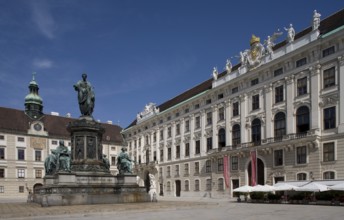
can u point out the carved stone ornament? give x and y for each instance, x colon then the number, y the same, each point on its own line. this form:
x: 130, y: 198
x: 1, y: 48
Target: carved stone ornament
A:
x: 253, y: 57
x: 208, y: 132
x: 149, y: 111
x: 329, y: 100
x: 197, y: 135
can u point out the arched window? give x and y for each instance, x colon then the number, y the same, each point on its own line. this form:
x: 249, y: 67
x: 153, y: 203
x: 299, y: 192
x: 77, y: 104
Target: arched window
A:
x: 222, y: 138
x: 302, y: 119
x: 256, y: 128
x: 301, y: 176
x: 236, y: 136
x: 329, y: 175
x: 280, y: 125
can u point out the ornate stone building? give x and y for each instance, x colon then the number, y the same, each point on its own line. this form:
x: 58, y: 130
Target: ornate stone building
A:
x: 27, y: 137
x: 281, y: 104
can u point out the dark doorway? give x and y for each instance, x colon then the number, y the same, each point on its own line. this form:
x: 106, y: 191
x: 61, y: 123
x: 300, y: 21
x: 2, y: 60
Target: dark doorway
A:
x: 279, y: 179
x: 147, y: 156
x: 235, y: 183
x: 260, y: 172
x: 147, y: 182
x: 161, y: 190
x: 178, y: 188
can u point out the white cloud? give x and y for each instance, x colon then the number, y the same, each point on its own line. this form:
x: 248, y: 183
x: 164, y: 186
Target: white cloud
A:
x: 42, y: 17
x: 42, y: 63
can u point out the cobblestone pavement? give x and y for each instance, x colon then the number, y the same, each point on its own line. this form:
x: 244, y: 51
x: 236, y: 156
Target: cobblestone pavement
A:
x: 172, y: 208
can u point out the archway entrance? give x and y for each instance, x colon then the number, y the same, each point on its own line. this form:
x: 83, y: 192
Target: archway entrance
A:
x: 260, y: 172
x: 147, y: 182
x: 178, y: 188
x: 36, y: 187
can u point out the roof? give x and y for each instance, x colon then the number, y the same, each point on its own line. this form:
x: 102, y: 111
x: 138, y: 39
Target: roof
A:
x: 326, y: 25
x: 16, y: 121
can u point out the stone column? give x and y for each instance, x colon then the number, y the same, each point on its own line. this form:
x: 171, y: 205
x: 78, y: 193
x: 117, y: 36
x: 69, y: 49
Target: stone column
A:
x: 290, y: 94
x: 243, y: 114
x: 340, y: 110
x: 182, y: 144
x: 215, y: 138
x: 268, y: 106
x: 165, y: 142
x: 152, y: 146
x: 158, y: 145
x: 173, y: 138
x: 202, y: 139
x: 192, y: 135
x: 314, y: 90
x: 228, y: 109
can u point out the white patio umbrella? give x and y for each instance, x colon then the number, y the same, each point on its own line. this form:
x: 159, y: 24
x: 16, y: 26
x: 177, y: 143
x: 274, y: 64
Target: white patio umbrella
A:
x: 339, y: 187
x: 313, y: 187
x: 263, y: 188
x: 243, y: 189
x: 285, y: 187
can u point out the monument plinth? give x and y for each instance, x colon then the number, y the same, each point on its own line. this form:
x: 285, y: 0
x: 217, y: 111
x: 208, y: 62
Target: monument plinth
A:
x: 82, y: 175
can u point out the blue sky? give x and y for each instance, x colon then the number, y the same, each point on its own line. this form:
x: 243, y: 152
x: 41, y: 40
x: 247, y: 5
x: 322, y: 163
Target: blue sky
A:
x: 133, y: 51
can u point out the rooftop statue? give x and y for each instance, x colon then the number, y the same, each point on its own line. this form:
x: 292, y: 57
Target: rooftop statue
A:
x: 269, y: 42
x: 86, y: 96
x: 316, y: 20
x: 215, y: 73
x: 124, y: 162
x: 291, y: 33
x: 229, y: 66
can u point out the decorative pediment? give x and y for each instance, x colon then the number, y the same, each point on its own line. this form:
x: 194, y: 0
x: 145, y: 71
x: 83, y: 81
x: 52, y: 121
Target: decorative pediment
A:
x: 333, y: 99
x: 149, y: 111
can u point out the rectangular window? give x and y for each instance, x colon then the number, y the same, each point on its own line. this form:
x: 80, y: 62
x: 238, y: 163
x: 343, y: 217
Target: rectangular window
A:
x: 161, y: 155
x: 2, y: 153
x: 301, y: 176
x: 113, y: 161
x: 196, y: 185
x: 21, y: 189
x: 154, y: 137
x: 38, y: 155
x: 220, y: 96
x: 278, y: 72
x: 20, y: 139
x: 197, y: 147
x: 255, y: 102
x: 54, y: 142
x: 279, y: 94
x: 197, y: 122
x: 168, y: 171
x: 209, y: 143
x: 208, y: 101
x: 186, y: 169
x: 301, y: 62
x: 21, y: 154
x: 330, y: 118
x: 220, y: 164
x: 21, y: 173
x: 168, y: 118
x: 235, y: 90
x: 186, y: 185
x: 169, y: 153
x: 301, y: 155
x: 209, y: 118
x: 235, y: 109
x: 328, y: 152
x: 176, y: 170
x: 278, y: 157
x: 177, y: 114
x: 186, y: 110
x: 2, y: 189
x: 302, y: 86
x: 2, y: 173
x: 196, y: 167
x: 221, y: 114
x: 234, y: 162
x: 254, y: 82
x: 329, y: 175
x: 169, y: 132
x: 177, y: 152
x: 328, y: 51
x: 208, y: 166
x: 208, y: 184
x: 187, y: 149
x: 196, y: 106
x: 38, y: 174
x: 187, y: 126
x: 329, y: 77
x: 2, y: 137
x: 177, y: 129
x: 161, y: 135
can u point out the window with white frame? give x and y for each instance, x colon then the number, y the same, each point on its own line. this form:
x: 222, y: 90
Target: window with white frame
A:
x: 186, y: 169
x: 328, y: 51
x: 187, y: 125
x: 168, y: 186
x: 177, y: 170
x: 330, y: 118
x: 255, y: 102
x: 177, y: 151
x: 187, y: 149
x: 301, y: 62
x: 197, y: 122
x: 21, y: 173
x: 38, y: 155
x: 169, y: 132
x: 328, y: 152
x: 329, y: 175
x: 279, y: 94
x: 208, y: 184
x: 209, y: 143
x: 21, y: 189
x: 301, y: 176
x: 220, y: 164
x: 208, y: 166
x: 234, y: 163
x: 196, y: 168
x: 186, y: 185
x: 2, y: 153
x: 220, y: 185
x: 197, y: 147
x: 301, y: 155
x: 38, y: 174
x: 329, y: 77
x: 209, y: 118
x: 278, y: 157
x: 2, y: 189
x: 2, y: 173
x: 21, y: 154
x: 168, y: 171
x: 221, y: 114
x: 235, y: 109
x: 20, y: 139
x: 177, y: 129
x: 302, y: 86
x: 196, y: 185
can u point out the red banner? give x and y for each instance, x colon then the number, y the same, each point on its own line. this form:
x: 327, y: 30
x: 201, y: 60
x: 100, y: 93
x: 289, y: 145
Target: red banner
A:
x: 226, y: 169
x: 253, y: 168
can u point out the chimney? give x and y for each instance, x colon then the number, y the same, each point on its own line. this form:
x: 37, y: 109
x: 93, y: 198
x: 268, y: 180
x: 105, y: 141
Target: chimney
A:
x: 109, y: 122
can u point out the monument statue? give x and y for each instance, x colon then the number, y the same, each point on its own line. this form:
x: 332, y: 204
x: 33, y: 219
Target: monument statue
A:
x: 106, y: 162
x: 291, y: 33
x: 86, y: 96
x: 59, y: 160
x: 124, y: 162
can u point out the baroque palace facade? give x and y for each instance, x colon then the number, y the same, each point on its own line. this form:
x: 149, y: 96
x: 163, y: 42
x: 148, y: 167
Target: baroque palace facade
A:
x: 281, y: 104
x: 27, y: 138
